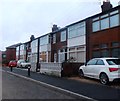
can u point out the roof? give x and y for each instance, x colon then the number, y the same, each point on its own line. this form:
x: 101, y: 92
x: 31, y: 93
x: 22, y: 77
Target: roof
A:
x: 101, y: 13
x: 113, y: 9
x: 13, y: 46
x: 61, y: 29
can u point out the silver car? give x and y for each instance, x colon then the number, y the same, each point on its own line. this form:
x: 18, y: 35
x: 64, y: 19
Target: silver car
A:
x: 23, y: 64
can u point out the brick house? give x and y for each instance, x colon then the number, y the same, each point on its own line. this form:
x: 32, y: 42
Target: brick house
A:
x: 11, y: 52
x: 59, y: 45
x: 103, y: 33
x: 95, y: 36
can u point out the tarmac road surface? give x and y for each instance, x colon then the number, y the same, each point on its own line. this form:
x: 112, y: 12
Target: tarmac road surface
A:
x: 19, y: 88
x: 95, y: 91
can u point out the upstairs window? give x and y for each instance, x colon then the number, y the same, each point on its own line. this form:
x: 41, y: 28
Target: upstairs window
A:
x: 63, y: 36
x: 103, y: 46
x: 114, y: 20
x: 34, y: 46
x: 54, y: 38
x: 44, y: 40
x: 115, y: 44
x: 96, y: 26
x: 104, y: 23
x: 77, y: 30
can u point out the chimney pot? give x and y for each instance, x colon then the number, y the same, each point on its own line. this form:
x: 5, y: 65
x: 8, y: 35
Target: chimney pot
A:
x: 106, y: 5
x: 54, y: 28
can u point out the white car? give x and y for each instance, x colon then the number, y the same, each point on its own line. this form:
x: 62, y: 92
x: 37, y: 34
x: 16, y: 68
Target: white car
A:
x: 104, y: 69
x: 23, y: 64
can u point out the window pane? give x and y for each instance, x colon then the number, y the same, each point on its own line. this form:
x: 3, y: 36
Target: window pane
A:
x: 43, y: 56
x: 115, y: 44
x: 116, y: 52
x: 54, y: 38
x: 96, y: 54
x: 63, y: 36
x: 104, y: 53
x: 96, y: 26
x: 100, y: 62
x: 61, y: 55
x: 76, y: 30
x: 96, y: 19
x: 105, y: 23
x: 44, y: 40
x: 34, y: 46
x: 103, y: 16
x: 113, y: 61
x: 114, y: 12
x: 92, y: 62
x: 103, y: 45
x: 114, y: 20
x: 81, y: 56
x: 80, y: 31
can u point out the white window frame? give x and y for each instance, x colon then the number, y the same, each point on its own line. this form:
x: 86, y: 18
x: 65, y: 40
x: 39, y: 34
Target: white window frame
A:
x: 63, y: 36
x: 54, y: 38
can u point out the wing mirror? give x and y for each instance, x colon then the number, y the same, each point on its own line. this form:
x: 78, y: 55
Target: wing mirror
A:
x: 85, y: 64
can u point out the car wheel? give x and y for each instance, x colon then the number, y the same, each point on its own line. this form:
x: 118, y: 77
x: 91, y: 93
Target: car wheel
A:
x: 20, y: 66
x: 104, y: 79
x: 26, y: 66
x: 81, y: 74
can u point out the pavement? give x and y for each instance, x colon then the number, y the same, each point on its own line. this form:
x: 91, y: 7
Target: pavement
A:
x: 91, y: 91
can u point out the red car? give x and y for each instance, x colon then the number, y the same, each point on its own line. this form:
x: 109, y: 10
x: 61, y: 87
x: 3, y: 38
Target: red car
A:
x: 12, y: 63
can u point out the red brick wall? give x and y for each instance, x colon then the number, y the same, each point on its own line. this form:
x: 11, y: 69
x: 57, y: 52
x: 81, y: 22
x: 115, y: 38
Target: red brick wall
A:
x: 57, y: 46
x: 104, y: 37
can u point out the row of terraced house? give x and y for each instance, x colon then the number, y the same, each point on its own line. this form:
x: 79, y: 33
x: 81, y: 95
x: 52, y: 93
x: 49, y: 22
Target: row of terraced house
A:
x: 95, y: 36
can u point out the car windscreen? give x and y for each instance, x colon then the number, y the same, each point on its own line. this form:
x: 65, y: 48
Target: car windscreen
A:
x: 113, y: 61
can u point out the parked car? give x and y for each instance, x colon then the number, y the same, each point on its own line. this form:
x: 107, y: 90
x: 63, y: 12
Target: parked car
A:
x: 23, y: 64
x: 104, y: 69
x: 12, y: 63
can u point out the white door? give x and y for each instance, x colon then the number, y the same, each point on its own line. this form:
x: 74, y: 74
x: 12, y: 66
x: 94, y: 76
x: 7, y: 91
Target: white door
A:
x: 90, y: 67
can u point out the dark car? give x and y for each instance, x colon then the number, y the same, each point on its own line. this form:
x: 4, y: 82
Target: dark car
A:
x: 12, y: 63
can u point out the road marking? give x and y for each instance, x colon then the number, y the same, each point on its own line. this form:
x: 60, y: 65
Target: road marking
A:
x: 54, y: 87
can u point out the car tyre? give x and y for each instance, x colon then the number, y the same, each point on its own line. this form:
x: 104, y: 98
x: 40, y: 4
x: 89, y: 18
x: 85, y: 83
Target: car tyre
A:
x: 20, y: 66
x: 104, y: 79
x: 81, y: 74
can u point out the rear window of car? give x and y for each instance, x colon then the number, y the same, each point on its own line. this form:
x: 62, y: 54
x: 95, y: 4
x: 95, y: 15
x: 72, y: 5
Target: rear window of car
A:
x: 113, y: 61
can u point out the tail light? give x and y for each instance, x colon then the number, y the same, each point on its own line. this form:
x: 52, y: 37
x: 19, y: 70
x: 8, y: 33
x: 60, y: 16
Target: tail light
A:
x: 113, y: 69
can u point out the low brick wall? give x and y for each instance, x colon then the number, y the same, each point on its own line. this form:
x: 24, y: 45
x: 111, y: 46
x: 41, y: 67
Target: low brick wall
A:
x: 51, y: 69
x: 60, y: 69
x: 70, y: 69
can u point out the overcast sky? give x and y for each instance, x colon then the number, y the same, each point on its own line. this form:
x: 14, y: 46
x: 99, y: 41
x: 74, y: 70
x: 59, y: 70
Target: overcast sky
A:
x: 19, y: 19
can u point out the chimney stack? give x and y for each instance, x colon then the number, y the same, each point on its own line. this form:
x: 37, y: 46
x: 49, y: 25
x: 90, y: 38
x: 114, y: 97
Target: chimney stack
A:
x: 32, y: 38
x: 54, y: 28
x: 106, y: 5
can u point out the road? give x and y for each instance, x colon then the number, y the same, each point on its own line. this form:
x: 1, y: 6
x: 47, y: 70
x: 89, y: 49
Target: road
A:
x: 19, y: 88
x: 91, y: 90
